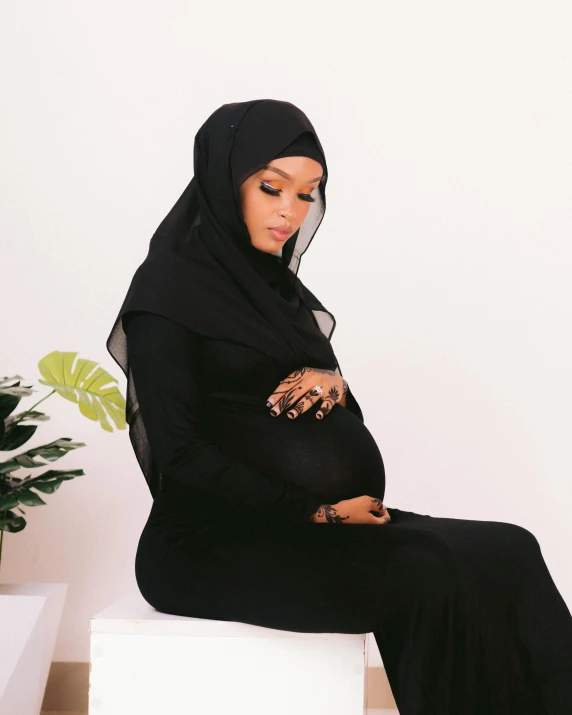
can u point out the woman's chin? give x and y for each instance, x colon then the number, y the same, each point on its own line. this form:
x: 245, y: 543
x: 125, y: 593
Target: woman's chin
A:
x: 268, y: 246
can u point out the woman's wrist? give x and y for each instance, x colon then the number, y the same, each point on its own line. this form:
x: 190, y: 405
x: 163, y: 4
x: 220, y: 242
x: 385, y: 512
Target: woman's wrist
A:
x: 345, y: 388
x: 313, y: 517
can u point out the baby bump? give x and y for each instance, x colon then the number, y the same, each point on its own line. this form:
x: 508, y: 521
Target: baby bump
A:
x: 335, y: 458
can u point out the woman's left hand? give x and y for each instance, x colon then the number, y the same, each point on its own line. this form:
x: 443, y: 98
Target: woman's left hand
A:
x: 303, y: 387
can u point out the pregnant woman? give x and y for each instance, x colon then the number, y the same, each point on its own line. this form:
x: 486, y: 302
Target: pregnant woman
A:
x: 268, y: 487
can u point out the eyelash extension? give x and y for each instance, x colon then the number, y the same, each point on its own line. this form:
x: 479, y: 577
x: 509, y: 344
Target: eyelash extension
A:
x: 276, y: 192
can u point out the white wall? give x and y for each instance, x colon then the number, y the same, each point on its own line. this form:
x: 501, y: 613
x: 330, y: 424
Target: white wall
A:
x: 445, y: 252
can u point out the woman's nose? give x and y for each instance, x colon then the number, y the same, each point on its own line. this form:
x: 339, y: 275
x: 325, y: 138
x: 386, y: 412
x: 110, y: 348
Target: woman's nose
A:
x: 287, y: 209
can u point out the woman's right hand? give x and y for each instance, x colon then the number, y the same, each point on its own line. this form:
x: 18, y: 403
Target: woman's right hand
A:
x: 352, y: 511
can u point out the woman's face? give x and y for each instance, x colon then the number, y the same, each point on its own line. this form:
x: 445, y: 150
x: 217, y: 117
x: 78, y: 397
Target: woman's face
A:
x: 279, y: 196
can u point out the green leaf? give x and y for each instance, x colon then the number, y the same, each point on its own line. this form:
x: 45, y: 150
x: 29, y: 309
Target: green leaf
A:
x: 49, y: 452
x: 28, y: 497
x: 50, y: 487
x: 9, y: 379
x: 8, y: 501
x: 49, y: 481
x: 13, y: 391
x: 11, y: 522
x: 26, y: 416
x: 8, y: 404
x: 8, y: 466
x: 16, y: 436
x: 83, y: 383
x: 9, y: 400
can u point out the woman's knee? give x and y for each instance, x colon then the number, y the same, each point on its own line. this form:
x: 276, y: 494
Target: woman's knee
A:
x: 520, y: 534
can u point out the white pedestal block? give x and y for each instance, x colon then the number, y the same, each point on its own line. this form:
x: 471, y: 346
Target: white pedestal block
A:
x: 30, y: 615
x: 143, y: 662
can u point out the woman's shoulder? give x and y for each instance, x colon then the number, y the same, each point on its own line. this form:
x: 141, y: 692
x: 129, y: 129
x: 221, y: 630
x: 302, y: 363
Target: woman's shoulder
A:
x: 144, y: 325
x: 148, y: 318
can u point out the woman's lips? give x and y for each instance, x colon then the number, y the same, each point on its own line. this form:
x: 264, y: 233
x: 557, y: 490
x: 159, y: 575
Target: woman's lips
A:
x: 280, y: 235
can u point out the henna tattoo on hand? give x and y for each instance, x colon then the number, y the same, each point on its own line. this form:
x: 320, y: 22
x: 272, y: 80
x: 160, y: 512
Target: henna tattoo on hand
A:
x: 332, y: 517
x: 334, y: 396
x: 334, y: 393
x: 298, y: 407
x: 378, y: 503
x: 331, y: 514
x: 378, y: 509
x: 322, y: 371
x: 303, y: 370
x: 284, y: 402
x: 292, y: 383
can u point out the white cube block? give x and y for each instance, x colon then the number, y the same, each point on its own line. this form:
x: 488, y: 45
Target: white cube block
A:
x: 30, y: 615
x: 143, y: 662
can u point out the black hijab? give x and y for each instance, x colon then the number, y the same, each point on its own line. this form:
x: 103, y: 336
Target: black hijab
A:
x: 202, y: 270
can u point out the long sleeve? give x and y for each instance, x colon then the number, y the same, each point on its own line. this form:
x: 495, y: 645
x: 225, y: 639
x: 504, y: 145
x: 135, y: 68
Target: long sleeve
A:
x: 163, y: 360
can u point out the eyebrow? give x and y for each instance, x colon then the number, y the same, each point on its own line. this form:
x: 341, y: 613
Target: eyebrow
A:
x: 287, y: 176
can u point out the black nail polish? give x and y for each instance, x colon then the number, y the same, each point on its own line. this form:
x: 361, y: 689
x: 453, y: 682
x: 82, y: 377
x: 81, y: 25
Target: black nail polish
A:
x: 269, y: 404
x: 273, y: 413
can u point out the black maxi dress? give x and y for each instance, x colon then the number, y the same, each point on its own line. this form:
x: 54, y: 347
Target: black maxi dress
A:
x: 465, y: 613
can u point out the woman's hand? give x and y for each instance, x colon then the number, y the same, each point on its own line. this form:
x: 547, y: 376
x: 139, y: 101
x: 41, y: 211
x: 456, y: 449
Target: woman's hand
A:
x: 303, y: 387
x: 352, y: 511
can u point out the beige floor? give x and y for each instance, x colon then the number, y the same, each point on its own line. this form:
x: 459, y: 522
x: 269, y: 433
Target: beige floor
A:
x: 372, y: 711
x: 68, y: 685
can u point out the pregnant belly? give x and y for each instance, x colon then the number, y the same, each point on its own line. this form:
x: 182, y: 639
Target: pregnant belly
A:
x: 336, y: 458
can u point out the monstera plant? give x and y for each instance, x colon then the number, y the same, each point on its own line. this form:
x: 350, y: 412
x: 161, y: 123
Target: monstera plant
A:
x: 83, y: 382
